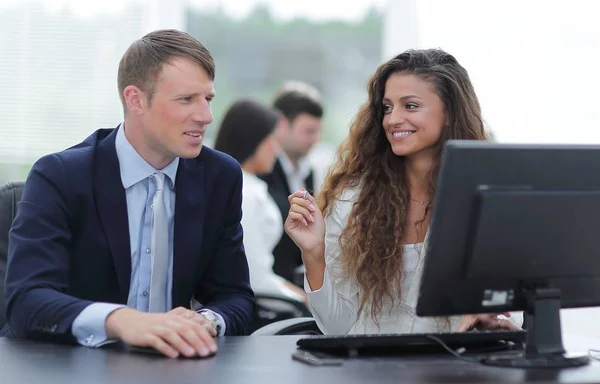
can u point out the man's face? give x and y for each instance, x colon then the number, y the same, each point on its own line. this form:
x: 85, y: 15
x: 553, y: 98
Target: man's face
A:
x: 304, y: 131
x: 174, y: 121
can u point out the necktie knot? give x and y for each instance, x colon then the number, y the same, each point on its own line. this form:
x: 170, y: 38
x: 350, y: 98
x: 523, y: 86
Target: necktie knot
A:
x: 159, y: 179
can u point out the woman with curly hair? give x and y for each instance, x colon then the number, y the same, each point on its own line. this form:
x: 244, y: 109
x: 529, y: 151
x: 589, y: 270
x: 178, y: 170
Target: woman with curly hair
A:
x: 364, y: 239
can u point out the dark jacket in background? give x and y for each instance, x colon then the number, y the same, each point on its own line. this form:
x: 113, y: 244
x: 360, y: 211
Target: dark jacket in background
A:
x: 287, y: 255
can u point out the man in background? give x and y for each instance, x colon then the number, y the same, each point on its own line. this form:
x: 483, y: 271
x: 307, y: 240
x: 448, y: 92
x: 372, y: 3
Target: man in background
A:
x: 301, y: 105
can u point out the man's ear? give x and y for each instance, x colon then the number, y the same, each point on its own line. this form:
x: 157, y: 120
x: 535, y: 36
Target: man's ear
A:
x: 135, y: 99
x: 283, y: 128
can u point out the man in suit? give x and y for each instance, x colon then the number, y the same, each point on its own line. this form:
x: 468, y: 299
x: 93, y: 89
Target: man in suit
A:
x: 300, y: 104
x: 114, y: 232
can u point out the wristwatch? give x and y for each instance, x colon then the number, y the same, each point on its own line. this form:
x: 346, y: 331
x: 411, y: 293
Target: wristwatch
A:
x: 212, y: 318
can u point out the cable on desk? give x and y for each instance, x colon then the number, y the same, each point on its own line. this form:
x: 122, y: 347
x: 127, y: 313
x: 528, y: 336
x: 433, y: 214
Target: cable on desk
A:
x: 455, y: 353
x: 594, y: 354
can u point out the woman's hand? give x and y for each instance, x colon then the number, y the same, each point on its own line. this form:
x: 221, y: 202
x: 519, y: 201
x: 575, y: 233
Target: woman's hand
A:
x: 305, y: 223
x: 306, y: 227
x: 493, y: 321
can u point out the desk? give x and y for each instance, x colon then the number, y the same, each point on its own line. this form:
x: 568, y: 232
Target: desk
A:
x: 252, y: 359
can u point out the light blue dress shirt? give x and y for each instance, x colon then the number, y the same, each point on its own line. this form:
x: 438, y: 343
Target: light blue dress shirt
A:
x: 136, y: 175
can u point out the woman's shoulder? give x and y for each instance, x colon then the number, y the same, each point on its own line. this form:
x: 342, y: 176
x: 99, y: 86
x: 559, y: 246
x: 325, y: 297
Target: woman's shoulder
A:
x: 342, y: 205
x: 253, y: 187
x: 251, y: 179
x: 349, y: 194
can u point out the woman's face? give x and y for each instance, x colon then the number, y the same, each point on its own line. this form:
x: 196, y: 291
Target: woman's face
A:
x: 266, y: 153
x: 414, y: 115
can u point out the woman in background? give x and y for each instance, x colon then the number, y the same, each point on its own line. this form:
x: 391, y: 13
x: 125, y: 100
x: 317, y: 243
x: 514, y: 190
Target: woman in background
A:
x: 247, y: 133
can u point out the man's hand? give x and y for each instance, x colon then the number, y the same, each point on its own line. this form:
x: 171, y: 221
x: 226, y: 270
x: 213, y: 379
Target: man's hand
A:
x: 487, y: 321
x: 195, y: 316
x: 176, y: 332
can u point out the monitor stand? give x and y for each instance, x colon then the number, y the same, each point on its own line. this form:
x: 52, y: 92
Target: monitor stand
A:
x: 543, y: 345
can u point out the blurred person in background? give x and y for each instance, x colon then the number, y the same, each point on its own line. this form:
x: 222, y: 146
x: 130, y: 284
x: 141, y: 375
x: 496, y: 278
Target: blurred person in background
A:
x: 301, y: 106
x: 248, y: 134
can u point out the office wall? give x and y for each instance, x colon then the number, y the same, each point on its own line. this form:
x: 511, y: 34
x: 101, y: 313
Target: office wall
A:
x: 533, y: 62
x: 58, y: 71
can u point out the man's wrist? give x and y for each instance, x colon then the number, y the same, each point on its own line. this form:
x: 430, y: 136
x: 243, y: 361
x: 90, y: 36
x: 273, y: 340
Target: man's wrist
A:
x: 212, y: 318
x: 113, y: 322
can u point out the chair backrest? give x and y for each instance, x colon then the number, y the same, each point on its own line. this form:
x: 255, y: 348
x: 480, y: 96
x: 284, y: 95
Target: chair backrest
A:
x: 10, y: 194
x: 273, y: 308
x: 297, y: 326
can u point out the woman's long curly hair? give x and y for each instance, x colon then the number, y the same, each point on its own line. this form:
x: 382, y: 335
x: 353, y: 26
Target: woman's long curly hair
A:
x: 371, y: 243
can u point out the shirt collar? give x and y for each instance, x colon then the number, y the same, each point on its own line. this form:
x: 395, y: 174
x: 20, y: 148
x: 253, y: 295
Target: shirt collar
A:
x: 303, y: 169
x: 133, y: 167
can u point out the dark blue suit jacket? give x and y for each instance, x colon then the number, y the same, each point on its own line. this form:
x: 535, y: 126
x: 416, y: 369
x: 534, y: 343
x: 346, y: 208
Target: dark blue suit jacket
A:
x: 69, y: 243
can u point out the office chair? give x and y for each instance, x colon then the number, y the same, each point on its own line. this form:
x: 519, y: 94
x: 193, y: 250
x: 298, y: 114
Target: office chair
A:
x: 274, y: 308
x: 297, y: 326
x: 299, y: 275
x: 10, y: 194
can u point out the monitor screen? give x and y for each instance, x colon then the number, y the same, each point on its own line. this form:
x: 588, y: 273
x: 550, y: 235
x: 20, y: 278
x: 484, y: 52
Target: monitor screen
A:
x: 514, y: 226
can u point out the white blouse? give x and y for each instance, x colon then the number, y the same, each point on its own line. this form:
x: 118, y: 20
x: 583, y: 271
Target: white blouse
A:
x: 263, y: 228
x: 335, y: 305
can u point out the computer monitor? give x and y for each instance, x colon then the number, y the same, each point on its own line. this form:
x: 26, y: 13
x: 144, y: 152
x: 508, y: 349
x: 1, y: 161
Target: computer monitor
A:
x: 515, y: 227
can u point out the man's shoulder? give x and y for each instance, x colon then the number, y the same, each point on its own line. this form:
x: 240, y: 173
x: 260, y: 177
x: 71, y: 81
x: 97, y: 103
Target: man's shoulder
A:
x: 74, y: 160
x: 219, y: 162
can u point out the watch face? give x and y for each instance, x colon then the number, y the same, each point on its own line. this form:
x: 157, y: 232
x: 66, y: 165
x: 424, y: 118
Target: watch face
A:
x: 214, y: 320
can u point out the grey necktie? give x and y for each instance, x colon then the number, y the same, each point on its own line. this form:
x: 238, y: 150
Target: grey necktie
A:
x: 160, y: 248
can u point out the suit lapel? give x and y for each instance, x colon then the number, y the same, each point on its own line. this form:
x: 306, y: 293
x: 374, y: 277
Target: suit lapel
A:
x: 280, y: 177
x: 309, y: 182
x: 190, y: 192
x: 112, y: 209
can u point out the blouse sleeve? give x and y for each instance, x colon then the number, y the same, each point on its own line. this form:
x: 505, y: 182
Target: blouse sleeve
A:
x: 335, y: 305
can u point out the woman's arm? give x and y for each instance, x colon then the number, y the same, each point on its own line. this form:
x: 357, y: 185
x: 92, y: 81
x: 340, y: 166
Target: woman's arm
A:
x: 332, y: 298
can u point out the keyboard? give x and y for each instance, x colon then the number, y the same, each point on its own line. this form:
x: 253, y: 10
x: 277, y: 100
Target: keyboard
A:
x: 478, y: 341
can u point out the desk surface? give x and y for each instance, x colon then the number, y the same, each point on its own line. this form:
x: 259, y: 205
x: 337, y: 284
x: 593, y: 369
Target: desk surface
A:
x: 254, y: 359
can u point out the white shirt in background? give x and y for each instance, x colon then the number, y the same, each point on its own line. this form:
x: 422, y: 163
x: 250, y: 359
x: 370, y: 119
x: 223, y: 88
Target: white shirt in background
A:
x: 295, y: 175
x: 262, y: 224
x: 320, y: 158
